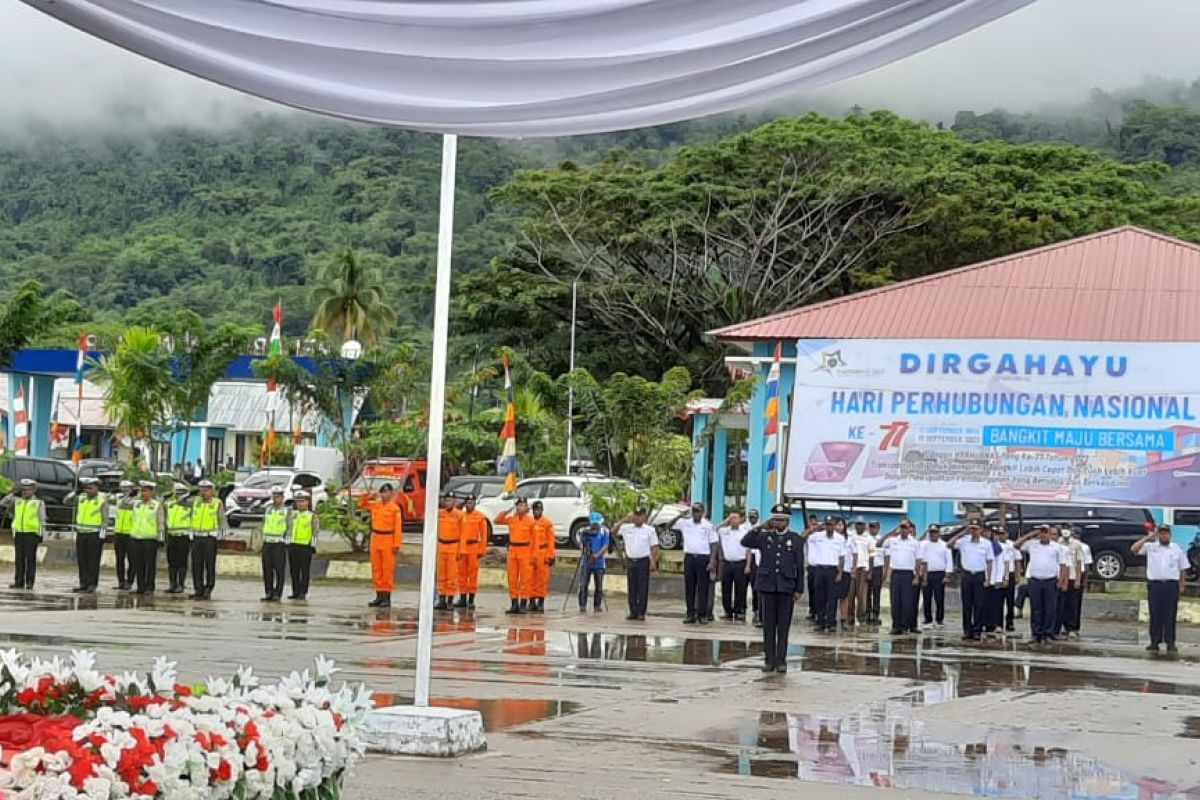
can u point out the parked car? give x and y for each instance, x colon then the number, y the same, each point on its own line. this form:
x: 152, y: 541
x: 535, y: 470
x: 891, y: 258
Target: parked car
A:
x: 566, y: 503
x: 56, y: 481
x: 1109, y: 531
x: 93, y: 467
x: 247, y: 500
x: 482, y: 486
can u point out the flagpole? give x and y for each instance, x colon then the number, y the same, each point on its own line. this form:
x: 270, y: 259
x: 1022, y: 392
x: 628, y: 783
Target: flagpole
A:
x: 570, y: 387
x: 437, y: 412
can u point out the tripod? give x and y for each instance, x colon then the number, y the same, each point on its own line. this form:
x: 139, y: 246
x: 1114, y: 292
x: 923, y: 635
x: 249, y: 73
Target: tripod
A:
x: 585, y: 552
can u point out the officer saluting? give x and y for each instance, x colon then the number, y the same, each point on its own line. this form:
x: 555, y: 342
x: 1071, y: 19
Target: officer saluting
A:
x: 778, y: 581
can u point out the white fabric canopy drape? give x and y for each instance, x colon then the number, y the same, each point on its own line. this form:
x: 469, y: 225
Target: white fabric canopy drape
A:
x: 524, y: 67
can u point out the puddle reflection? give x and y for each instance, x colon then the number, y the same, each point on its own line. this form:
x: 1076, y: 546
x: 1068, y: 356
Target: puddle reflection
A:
x: 498, y: 713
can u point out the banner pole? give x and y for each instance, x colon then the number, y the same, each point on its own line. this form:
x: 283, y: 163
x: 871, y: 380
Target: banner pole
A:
x: 437, y: 413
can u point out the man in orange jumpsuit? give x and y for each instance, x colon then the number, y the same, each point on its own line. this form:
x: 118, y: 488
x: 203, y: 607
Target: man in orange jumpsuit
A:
x: 520, y: 555
x: 474, y: 548
x: 543, y: 557
x: 387, y: 537
x: 449, y: 547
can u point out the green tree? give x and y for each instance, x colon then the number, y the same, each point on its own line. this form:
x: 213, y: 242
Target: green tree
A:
x: 136, y: 377
x: 22, y: 317
x: 349, y: 300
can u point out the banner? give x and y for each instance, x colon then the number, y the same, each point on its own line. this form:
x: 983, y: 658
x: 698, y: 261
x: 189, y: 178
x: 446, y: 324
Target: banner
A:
x: 1062, y: 422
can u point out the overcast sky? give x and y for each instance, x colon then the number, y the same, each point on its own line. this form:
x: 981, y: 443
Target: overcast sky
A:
x: 1052, y: 52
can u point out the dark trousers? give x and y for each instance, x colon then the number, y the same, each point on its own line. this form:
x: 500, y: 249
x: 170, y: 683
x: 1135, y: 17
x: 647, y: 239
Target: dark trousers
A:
x: 1043, y: 606
x: 1008, y: 594
x: 25, y: 569
x: 934, y: 593
x: 1022, y: 596
x: 204, y: 564
x: 776, y: 612
x: 993, y: 608
x: 733, y: 587
x: 809, y: 572
x: 904, y: 601
x: 88, y: 547
x: 124, y: 560
x: 178, y: 549
x: 972, y: 603
x: 299, y: 559
x: 696, y: 585
x: 596, y: 576
x: 1070, y: 604
x: 1164, y: 606
x: 144, y: 559
x: 875, y: 594
x: 637, y: 585
x: 274, y: 568
x: 825, y: 592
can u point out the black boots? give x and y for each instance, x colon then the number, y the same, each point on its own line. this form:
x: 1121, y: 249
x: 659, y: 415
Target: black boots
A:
x: 471, y: 600
x: 441, y: 604
x: 382, y: 600
x: 537, y: 605
x: 461, y: 602
x: 517, y: 607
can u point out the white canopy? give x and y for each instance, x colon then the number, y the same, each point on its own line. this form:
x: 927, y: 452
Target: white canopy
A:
x: 524, y: 67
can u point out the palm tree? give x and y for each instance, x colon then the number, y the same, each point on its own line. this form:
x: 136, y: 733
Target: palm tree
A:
x: 136, y: 378
x: 349, y: 298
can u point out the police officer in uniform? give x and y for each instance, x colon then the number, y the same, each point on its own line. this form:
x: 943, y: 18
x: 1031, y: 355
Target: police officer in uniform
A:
x: 302, y: 543
x: 122, y: 528
x: 179, y: 538
x: 28, y: 526
x: 277, y: 523
x: 148, y: 524
x: 91, y: 518
x: 779, y: 581
x: 208, y: 528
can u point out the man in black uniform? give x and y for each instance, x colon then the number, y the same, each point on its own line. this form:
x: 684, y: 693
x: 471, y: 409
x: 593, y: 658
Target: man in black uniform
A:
x: 779, y: 581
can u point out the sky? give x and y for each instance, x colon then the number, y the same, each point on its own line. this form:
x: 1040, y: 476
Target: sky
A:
x: 1046, y: 55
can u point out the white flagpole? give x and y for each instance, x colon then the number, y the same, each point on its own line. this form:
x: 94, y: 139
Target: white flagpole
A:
x: 437, y: 412
x: 570, y: 389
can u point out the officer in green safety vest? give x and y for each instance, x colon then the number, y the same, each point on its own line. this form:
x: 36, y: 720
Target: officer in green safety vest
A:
x: 276, y: 525
x: 122, y: 527
x: 28, y: 525
x: 179, y: 538
x: 91, y: 523
x: 208, y: 527
x: 145, y: 532
x: 302, y: 543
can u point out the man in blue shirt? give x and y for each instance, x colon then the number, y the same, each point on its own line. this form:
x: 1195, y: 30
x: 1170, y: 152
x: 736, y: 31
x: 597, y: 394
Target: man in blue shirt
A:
x: 593, y: 547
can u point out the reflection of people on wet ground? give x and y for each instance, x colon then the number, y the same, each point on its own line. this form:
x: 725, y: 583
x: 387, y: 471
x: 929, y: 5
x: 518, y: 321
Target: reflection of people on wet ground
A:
x: 520, y: 554
x: 699, y: 563
x: 900, y: 553
x: 935, y: 563
x: 1166, y: 574
x: 975, y: 556
x: 875, y: 577
x: 1070, y: 601
x: 779, y: 580
x: 640, y: 542
x: 734, y: 567
x: 594, y: 542
x: 544, y: 551
x: 1047, y: 570
x: 827, y: 551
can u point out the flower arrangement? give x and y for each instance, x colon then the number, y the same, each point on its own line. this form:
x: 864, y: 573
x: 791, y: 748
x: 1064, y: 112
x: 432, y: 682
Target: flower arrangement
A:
x: 67, y: 731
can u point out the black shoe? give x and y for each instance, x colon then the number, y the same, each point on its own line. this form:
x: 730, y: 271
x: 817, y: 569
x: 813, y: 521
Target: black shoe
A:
x: 630, y: 617
x: 727, y: 617
x: 1172, y: 648
x: 739, y: 617
x: 1009, y: 629
x: 897, y: 632
x: 16, y: 586
x: 461, y: 602
x: 267, y: 599
x: 523, y: 607
x: 515, y: 608
x: 781, y: 668
x: 689, y: 620
x: 294, y: 597
x: 77, y: 589
x: 470, y: 601
x: 89, y: 590
x: 440, y: 605
x: 1153, y: 648
x: 385, y: 599
x: 193, y: 596
x: 768, y: 667
x: 377, y: 602
x: 595, y: 609
x: 641, y: 617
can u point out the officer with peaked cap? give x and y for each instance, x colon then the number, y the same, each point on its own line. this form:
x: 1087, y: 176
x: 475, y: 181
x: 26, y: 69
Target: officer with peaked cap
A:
x: 91, y: 521
x: 148, y: 524
x: 209, y: 526
x: 779, y: 580
x: 122, y: 527
x: 276, y: 526
x: 178, y: 512
x: 28, y: 527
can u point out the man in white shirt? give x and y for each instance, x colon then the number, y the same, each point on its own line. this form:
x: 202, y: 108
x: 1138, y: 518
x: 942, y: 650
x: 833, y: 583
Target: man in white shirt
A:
x: 734, y: 568
x: 875, y: 576
x: 826, y: 553
x: 1047, y: 571
x: 1070, y: 601
x: 699, y: 563
x: 640, y: 543
x: 901, y: 551
x: 975, y: 557
x: 856, y: 606
x: 936, y: 562
x: 752, y: 560
x: 1166, y: 574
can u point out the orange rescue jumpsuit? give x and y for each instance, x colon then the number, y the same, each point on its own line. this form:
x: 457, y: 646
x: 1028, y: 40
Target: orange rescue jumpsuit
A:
x: 543, y: 552
x: 520, y: 554
x: 387, y: 537
x: 449, y: 539
x: 474, y: 548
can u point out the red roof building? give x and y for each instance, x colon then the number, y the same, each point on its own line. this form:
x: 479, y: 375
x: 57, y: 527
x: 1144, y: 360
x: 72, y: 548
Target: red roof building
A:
x: 1125, y: 284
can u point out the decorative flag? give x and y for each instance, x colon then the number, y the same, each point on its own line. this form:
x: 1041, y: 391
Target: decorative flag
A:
x: 20, y: 424
x: 508, y: 434
x: 771, y: 432
x: 58, y: 432
x: 80, y: 360
x: 275, y: 348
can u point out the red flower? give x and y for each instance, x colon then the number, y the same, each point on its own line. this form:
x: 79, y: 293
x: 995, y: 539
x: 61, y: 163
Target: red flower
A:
x: 224, y: 770
x: 24, y: 731
x: 183, y: 690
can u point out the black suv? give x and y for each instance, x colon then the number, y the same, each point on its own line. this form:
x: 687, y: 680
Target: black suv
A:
x: 1109, y: 531
x: 55, y: 482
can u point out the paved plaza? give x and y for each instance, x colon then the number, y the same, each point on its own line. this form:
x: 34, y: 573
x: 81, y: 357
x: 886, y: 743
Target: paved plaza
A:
x: 594, y: 706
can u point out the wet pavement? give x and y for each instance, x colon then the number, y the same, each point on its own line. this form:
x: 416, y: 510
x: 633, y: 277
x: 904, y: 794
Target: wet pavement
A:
x: 594, y: 706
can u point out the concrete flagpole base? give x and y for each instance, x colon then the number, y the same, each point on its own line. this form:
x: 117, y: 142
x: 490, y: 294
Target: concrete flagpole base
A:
x: 425, y: 731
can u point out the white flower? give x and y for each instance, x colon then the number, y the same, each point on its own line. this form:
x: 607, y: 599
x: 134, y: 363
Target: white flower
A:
x: 163, y: 675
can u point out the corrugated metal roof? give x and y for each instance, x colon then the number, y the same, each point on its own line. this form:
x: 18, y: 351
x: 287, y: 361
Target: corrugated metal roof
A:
x: 1125, y: 284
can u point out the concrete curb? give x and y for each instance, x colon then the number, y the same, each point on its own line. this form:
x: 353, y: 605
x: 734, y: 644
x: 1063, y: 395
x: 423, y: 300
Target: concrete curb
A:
x: 425, y: 731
